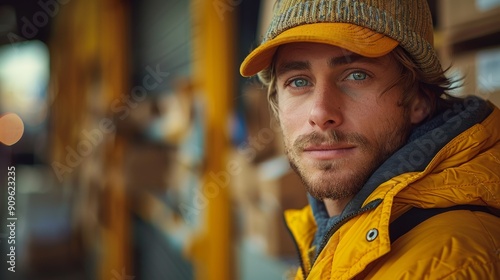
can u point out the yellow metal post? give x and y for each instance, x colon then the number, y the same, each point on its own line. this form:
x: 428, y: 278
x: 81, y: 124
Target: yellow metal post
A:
x: 215, y: 78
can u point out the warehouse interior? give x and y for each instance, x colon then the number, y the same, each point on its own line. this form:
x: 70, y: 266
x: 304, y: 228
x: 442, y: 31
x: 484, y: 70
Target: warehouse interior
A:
x: 145, y: 155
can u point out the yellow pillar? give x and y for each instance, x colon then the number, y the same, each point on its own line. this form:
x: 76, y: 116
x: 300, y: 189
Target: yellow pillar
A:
x: 214, y: 77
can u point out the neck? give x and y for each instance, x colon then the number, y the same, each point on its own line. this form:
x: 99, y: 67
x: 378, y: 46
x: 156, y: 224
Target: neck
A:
x: 334, y: 207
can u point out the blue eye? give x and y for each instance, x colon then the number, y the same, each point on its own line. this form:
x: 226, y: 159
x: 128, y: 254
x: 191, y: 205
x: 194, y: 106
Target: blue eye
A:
x: 299, y: 83
x: 357, y: 76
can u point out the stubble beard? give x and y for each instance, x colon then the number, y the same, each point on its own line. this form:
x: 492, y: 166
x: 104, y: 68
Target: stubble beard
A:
x: 330, y: 179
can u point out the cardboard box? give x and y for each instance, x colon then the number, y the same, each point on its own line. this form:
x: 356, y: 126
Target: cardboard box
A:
x: 281, y: 188
x: 495, y: 98
x: 290, y: 195
x: 264, y: 136
x: 481, y: 74
x: 147, y: 166
x: 455, y: 13
x: 463, y: 71
x: 262, y: 192
x: 488, y: 73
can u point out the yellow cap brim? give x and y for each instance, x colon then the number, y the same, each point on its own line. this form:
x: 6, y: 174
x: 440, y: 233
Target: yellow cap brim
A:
x: 354, y: 38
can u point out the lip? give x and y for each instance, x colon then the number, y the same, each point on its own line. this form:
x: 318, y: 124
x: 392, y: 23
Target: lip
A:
x: 328, y: 152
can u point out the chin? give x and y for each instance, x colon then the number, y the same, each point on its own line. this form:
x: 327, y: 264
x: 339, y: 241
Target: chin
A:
x: 323, y: 184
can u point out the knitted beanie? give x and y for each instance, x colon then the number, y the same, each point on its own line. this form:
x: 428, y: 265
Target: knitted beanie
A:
x: 370, y: 28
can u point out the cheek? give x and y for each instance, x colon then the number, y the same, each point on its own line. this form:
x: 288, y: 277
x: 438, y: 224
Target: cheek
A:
x: 288, y: 124
x: 386, y: 108
x: 291, y: 122
x: 293, y: 108
x: 377, y: 123
x: 293, y: 116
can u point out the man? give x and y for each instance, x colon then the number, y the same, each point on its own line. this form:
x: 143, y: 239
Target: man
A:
x: 367, y: 123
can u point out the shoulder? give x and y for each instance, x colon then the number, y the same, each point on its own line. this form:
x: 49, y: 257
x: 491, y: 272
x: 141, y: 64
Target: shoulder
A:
x: 456, y: 244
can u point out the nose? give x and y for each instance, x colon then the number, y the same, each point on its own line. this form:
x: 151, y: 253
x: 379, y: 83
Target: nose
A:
x: 326, y: 107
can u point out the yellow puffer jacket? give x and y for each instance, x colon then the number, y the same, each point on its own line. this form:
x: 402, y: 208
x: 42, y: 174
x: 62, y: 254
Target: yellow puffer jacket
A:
x: 453, y: 245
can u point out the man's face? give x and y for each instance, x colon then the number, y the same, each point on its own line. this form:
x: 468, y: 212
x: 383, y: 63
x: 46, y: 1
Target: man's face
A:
x: 339, y: 115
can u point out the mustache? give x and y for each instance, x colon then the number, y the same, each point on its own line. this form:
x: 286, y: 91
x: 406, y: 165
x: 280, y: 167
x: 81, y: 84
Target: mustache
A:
x: 331, y: 137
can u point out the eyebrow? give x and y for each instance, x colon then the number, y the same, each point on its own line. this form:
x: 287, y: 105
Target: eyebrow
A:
x: 297, y: 65
x: 345, y: 59
x: 288, y: 66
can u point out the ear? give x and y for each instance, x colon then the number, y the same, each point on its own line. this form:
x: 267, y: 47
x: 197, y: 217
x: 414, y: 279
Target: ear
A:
x: 419, y: 109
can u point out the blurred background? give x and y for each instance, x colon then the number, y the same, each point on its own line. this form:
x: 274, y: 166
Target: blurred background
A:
x: 145, y: 155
